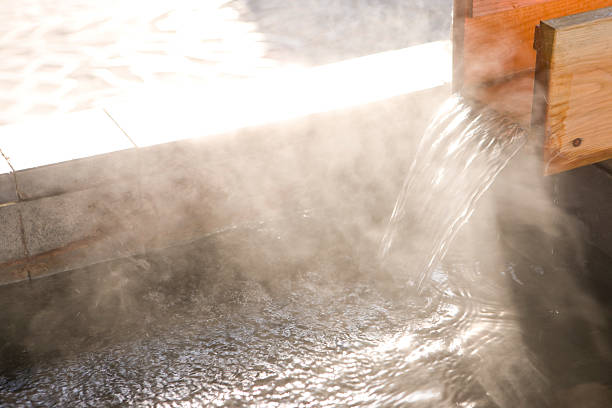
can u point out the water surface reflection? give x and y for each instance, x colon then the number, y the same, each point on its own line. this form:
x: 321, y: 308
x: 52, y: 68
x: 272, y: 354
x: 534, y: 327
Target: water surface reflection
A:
x: 299, y: 317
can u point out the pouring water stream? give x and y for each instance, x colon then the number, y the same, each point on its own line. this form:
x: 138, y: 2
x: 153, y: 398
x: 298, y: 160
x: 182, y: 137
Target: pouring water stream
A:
x: 459, y: 156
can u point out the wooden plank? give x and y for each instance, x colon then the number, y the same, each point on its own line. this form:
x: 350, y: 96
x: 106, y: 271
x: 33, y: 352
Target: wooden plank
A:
x: 460, y: 12
x: 484, y: 7
x: 511, y: 95
x: 573, y: 100
x: 498, y: 45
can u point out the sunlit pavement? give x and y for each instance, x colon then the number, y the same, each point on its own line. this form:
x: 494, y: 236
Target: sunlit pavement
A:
x: 59, y: 57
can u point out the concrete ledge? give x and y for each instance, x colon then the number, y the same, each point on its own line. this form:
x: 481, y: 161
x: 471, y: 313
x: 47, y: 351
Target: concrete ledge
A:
x: 163, y: 115
x: 73, y: 203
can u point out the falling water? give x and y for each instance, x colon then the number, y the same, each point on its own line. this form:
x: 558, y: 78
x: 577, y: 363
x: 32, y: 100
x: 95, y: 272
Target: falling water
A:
x: 458, y: 158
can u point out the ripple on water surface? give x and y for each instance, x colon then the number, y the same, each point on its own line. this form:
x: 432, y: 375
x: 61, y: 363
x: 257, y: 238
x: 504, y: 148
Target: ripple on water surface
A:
x: 328, y: 332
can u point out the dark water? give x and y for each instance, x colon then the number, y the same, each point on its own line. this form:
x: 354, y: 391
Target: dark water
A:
x: 294, y: 312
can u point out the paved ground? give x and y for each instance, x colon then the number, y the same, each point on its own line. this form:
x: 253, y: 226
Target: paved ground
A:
x: 69, y: 55
x: 321, y: 31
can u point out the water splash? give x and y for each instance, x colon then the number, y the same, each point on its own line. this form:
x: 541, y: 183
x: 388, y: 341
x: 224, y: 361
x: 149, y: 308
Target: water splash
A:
x: 458, y: 158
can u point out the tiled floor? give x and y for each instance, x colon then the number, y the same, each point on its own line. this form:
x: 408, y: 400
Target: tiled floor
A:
x: 70, y: 55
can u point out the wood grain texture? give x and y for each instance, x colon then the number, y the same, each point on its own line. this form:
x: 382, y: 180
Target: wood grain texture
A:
x: 512, y: 96
x: 574, y: 90
x: 499, y: 45
x: 460, y: 12
x: 480, y: 8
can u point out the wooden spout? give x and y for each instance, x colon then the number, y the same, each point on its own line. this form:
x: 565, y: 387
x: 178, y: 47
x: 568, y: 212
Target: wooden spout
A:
x: 494, y: 57
x: 573, y: 99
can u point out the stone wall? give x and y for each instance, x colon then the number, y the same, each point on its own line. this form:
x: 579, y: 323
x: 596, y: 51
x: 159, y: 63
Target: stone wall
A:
x: 68, y: 215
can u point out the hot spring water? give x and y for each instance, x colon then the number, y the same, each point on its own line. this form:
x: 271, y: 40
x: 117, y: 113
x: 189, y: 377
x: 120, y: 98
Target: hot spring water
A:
x: 295, y: 312
x: 462, y: 151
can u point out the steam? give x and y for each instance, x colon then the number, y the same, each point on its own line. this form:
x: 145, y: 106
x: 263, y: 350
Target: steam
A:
x: 261, y: 247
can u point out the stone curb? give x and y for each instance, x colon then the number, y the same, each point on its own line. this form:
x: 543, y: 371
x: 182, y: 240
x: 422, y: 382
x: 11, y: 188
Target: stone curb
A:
x: 94, y: 209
